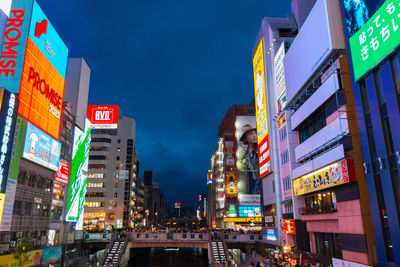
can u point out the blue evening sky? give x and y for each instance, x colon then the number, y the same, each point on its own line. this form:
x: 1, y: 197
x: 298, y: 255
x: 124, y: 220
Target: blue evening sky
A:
x: 174, y: 66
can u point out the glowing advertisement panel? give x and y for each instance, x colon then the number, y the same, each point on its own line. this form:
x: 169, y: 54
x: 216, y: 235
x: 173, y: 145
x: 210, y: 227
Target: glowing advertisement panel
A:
x: 334, y: 174
x: 41, y: 148
x: 373, y: 31
x: 247, y: 155
x: 62, y: 175
x: 17, y: 148
x: 77, y: 184
x: 103, y: 117
x: 46, y: 38
x: 249, y: 211
x: 8, y: 117
x: 261, y: 110
x: 279, y: 76
x: 14, y: 43
x: 42, y: 91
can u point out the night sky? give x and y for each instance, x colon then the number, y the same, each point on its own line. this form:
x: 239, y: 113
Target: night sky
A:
x: 174, y: 66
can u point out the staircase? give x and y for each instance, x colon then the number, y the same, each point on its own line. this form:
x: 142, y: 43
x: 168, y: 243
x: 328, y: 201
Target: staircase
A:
x: 217, y: 253
x: 114, y: 254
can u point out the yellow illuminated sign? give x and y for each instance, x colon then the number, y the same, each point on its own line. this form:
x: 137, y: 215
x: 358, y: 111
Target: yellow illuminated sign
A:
x: 329, y: 176
x: 261, y: 110
x: 243, y: 219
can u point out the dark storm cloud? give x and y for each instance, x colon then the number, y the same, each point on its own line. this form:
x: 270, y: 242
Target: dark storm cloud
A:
x: 175, y: 66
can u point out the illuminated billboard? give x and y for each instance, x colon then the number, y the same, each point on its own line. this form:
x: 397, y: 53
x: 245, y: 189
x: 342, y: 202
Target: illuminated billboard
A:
x: 103, y: 117
x: 249, y: 211
x: 8, y: 106
x: 62, y: 175
x: 41, y: 93
x: 247, y: 155
x: 27, y: 21
x: 261, y: 110
x: 41, y: 148
x: 77, y: 184
x: 372, y: 29
x: 279, y: 77
x: 17, y: 148
x: 334, y: 174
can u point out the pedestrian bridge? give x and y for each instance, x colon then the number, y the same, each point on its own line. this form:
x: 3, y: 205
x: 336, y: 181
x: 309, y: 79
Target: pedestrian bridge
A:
x: 181, y: 240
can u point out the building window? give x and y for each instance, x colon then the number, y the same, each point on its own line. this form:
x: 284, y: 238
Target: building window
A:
x: 118, y: 149
x: 27, y: 209
x: 287, y: 183
x: 282, y: 133
x: 94, y: 194
x: 328, y: 244
x: 22, y: 177
x: 49, y: 185
x: 117, y: 158
x: 94, y: 204
x: 97, y: 166
x: 284, y: 157
x: 31, y: 180
x: 97, y: 157
x: 116, y: 185
x: 17, y: 208
x: 119, y: 141
x: 115, y: 194
x: 101, y: 140
x: 95, y: 176
x: 99, y: 148
x: 95, y: 185
x: 40, y: 182
x: 324, y: 202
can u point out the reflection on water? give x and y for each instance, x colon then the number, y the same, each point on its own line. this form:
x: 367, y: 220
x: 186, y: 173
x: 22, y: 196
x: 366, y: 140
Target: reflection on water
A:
x: 157, y: 257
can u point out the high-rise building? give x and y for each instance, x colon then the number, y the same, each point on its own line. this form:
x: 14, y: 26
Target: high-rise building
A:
x: 372, y: 36
x: 274, y: 39
x: 111, y: 170
x: 327, y: 174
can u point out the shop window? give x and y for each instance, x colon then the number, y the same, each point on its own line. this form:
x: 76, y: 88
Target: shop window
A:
x: 17, y: 208
x: 328, y: 244
x: 36, y: 210
x: 27, y: 209
x: 22, y: 177
x: 324, y: 202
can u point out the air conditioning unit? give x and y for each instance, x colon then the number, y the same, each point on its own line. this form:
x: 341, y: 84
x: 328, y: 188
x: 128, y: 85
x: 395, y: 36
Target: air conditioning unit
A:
x: 7, y: 238
x: 18, y: 241
x: 1, y: 249
x: 13, y: 243
x: 6, y: 247
x: 19, y: 234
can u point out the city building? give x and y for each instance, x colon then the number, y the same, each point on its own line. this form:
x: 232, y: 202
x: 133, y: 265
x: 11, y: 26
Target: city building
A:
x: 202, y: 210
x: 111, y: 170
x: 327, y: 175
x: 234, y: 188
x: 31, y: 197
x: 375, y: 70
x: 274, y: 139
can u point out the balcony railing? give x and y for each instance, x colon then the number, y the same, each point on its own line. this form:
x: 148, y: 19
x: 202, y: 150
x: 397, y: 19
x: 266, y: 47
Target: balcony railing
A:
x: 317, y: 209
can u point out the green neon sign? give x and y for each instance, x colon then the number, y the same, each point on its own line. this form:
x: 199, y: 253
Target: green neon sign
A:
x: 376, y: 39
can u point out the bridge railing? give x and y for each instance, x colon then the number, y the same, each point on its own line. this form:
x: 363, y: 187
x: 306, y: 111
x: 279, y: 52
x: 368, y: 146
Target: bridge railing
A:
x: 162, y: 237
x: 246, y: 238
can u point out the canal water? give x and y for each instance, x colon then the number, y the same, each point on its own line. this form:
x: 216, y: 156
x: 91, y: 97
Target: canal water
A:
x: 158, y: 257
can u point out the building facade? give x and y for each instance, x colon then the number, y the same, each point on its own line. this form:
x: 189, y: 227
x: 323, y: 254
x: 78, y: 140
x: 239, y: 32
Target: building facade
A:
x: 110, y: 176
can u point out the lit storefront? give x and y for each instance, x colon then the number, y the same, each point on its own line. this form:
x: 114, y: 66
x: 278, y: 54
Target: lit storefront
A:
x: 94, y: 221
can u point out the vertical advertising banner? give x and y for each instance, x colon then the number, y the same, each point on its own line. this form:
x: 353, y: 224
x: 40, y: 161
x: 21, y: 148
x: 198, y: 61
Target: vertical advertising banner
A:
x: 279, y: 77
x: 77, y: 184
x: 247, y: 155
x: 17, y: 147
x: 8, y: 116
x: 14, y: 43
x: 372, y: 29
x: 33, y: 63
x: 261, y: 110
